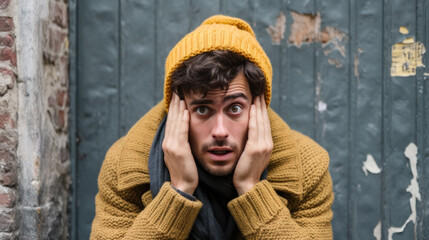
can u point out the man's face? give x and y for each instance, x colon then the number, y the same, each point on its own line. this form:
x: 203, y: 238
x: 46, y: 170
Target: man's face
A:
x: 218, y: 126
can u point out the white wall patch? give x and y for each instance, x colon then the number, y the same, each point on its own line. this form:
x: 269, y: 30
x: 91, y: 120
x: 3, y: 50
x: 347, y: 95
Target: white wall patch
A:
x: 377, y: 231
x: 322, y: 106
x: 370, y: 165
x: 413, y: 188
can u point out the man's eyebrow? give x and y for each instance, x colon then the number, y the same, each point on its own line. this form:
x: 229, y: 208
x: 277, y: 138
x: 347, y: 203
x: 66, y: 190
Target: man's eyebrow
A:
x: 234, y: 96
x: 201, y: 102
x: 209, y: 101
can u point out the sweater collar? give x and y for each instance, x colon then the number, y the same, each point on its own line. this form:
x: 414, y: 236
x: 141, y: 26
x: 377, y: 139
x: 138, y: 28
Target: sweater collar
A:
x: 284, y: 170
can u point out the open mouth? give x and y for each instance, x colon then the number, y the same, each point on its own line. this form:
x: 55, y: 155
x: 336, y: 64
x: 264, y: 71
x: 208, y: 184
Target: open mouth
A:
x: 219, y: 152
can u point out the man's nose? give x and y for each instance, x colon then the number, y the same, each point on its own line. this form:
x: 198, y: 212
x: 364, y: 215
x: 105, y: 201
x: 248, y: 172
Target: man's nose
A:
x: 220, y: 130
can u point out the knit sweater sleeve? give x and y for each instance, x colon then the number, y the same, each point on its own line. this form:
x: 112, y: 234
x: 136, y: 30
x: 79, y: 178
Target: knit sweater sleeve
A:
x: 262, y: 214
x: 120, y: 214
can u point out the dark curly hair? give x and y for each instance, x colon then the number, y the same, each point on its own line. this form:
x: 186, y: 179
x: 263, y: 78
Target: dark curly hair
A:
x: 215, y: 70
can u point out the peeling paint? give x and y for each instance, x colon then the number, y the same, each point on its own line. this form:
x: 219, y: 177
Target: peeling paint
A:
x: 277, y: 32
x: 322, y: 106
x: 370, y: 165
x: 406, y: 57
x: 403, y: 30
x: 377, y: 231
x: 335, y: 37
x: 335, y: 62
x: 305, y: 28
x: 413, y: 188
x: 426, y: 74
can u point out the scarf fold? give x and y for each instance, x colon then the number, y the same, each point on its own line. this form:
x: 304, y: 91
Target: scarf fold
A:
x: 214, y: 221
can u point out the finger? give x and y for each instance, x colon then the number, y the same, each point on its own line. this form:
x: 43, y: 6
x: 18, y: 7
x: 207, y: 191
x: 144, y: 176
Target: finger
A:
x: 169, y: 116
x: 173, y: 117
x: 252, y: 123
x: 180, y: 120
x: 267, y: 125
x: 184, y: 127
x: 261, y: 128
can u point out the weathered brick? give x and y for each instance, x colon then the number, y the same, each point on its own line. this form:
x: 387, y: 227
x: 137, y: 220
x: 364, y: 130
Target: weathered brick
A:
x: 60, y: 119
x: 8, y: 140
x: 6, y: 120
x: 58, y: 13
x: 4, y: 4
x: 6, y: 24
x: 7, y: 80
x: 63, y: 68
x: 61, y: 97
x: 6, y: 41
x: 8, y: 169
x: 6, y: 156
x: 64, y: 154
x: 9, y: 179
x: 8, y: 236
x: 56, y: 40
x: 51, y: 101
x: 7, y: 220
x: 7, y: 54
x: 7, y: 71
x: 7, y: 197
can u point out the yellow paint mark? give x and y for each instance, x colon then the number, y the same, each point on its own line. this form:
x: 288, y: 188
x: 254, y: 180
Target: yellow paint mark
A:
x: 408, y: 40
x: 406, y: 57
x: 403, y: 30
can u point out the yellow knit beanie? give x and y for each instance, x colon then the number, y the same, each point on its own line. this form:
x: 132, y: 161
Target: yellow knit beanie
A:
x: 218, y: 33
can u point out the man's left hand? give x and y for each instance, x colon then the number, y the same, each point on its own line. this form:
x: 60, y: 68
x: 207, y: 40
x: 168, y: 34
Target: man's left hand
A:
x: 257, y: 151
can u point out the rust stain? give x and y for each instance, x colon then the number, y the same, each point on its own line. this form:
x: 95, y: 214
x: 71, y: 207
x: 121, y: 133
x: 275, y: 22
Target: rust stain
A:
x: 305, y: 28
x: 36, y: 171
x: 277, y: 32
x: 37, y: 162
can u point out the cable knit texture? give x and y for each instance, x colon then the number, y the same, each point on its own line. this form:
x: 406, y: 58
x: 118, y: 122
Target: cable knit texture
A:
x: 218, y: 33
x: 293, y: 203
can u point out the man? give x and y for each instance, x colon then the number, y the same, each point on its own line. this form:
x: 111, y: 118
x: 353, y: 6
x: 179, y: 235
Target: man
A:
x: 220, y: 164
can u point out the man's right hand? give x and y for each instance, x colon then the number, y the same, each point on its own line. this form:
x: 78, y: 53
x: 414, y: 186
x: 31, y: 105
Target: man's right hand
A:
x: 177, y: 151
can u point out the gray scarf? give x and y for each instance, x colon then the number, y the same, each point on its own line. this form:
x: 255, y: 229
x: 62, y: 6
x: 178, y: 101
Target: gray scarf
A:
x: 214, y: 221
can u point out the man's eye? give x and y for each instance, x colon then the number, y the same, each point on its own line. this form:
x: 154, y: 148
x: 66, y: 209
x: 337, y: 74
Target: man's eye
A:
x: 236, y: 109
x: 202, y: 110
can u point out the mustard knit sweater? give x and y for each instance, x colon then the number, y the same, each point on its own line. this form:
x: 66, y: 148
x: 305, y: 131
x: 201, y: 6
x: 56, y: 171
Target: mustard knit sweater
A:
x: 293, y: 203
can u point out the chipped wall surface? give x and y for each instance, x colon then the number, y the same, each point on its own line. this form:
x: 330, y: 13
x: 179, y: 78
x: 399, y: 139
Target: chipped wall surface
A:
x: 38, y: 97
x: 413, y: 189
x: 370, y: 165
x: 277, y: 32
x: 9, y: 164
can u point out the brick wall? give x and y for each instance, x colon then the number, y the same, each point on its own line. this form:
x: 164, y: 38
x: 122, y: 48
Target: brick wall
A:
x: 8, y: 123
x: 34, y: 108
x: 55, y: 169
